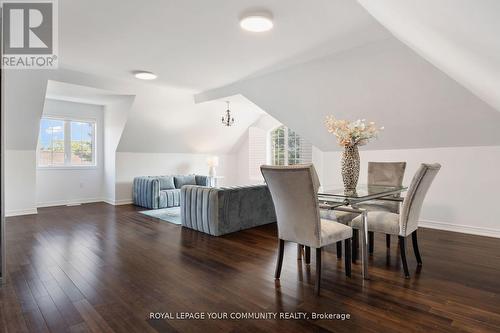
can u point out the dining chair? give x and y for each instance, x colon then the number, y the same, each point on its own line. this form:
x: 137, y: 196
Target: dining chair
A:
x: 294, y: 190
x: 381, y: 174
x: 406, y: 222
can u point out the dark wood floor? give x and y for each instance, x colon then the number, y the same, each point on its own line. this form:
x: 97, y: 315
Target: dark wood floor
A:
x: 101, y: 268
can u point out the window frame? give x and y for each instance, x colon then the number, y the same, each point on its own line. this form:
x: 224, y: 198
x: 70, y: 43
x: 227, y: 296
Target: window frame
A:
x: 286, y: 146
x: 67, y: 143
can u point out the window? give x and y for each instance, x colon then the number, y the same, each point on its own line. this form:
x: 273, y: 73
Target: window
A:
x: 288, y: 148
x: 66, y: 143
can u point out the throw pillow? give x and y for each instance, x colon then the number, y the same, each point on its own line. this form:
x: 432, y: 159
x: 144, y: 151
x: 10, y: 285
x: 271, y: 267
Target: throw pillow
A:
x: 180, y: 181
x: 166, y: 183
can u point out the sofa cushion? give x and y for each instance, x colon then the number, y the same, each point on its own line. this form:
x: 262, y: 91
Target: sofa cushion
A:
x: 166, y: 182
x: 180, y: 181
x: 201, y: 180
x: 170, y: 198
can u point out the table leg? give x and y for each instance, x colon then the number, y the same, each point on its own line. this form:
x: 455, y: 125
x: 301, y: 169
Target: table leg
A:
x: 364, y: 244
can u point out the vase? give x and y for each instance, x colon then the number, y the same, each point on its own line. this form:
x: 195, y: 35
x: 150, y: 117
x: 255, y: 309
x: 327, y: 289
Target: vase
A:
x: 350, y: 168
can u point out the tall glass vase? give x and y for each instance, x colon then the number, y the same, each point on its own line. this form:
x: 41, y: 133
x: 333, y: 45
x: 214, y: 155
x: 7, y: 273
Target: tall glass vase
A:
x: 350, y: 168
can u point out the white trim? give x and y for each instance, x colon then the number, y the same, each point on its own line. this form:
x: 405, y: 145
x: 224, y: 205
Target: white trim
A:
x: 31, y: 211
x: 67, y: 143
x: 466, y: 229
x: 19, y: 212
x: 123, y: 202
x: 118, y: 202
x: 68, y: 202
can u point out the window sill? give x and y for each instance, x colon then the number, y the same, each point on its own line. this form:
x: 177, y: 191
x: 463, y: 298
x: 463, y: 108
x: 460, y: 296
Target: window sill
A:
x: 48, y: 168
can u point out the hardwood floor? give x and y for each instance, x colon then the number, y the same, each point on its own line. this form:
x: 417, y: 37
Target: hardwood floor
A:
x: 99, y: 268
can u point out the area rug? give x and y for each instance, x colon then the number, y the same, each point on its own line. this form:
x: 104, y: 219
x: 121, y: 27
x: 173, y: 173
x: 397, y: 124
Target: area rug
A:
x: 172, y: 215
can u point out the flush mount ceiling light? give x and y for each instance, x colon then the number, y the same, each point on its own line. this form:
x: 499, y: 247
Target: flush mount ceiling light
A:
x: 143, y: 75
x: 257, y: 21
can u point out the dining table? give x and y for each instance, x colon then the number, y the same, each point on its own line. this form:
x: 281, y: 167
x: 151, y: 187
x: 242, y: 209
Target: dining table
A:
x: 337, y: 198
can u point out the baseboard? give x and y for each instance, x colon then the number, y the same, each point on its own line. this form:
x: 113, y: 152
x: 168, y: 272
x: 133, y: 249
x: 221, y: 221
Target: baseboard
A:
x: 31, y: 211
x: 118, y: 202
x: 466, y: 229
x: 19, y: 212
x: 67, y: 202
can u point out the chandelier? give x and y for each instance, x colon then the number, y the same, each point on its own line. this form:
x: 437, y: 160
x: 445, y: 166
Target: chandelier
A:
x: 227, y: 120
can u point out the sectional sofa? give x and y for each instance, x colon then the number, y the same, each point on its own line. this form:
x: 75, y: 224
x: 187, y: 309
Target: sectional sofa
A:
x: 223, y: 210
x: 215, y: 211
x: 156, y: 192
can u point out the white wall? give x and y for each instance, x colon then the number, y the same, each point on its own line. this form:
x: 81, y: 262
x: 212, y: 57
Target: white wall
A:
x: 20, y: 182
x: 115, y: 117
x: 61, y: 186
x: 464, y: 196
x: 130, y: 165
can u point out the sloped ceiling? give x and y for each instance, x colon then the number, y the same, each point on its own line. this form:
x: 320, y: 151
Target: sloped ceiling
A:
x: 384, y: 81
x: 198, y: 44
x: 158, y: 120
x: 168, y: 121
x: 362, y: 72
x: 460, y: 37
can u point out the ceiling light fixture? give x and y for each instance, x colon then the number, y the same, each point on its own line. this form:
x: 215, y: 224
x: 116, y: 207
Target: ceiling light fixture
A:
x: 227, y: 120
x: 143, y: 75
x: 257, y: 22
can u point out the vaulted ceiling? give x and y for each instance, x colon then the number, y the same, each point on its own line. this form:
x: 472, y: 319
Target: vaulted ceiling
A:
x: 433, y: 82
x: 428, y: 70
x: 385, y: 82
x: 198, y: 44
x: 460, y: 37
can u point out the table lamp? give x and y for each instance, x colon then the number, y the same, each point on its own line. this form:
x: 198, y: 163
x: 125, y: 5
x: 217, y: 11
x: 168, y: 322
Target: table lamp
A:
x: 213, y: 163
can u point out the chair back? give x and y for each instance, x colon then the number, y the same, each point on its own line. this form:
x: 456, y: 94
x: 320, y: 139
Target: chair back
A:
x: 294, y: 190
x: 412, y: 204
x: 387, y: 174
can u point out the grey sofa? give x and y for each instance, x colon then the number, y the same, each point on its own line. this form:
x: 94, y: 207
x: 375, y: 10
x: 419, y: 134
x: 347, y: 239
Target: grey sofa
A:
x: 219, y: 211
x: 156, y: 192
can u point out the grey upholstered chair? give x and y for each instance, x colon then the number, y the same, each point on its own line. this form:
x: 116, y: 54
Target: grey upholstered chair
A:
x: 381, y: 174
x: 294, y: 190
x: 406, y: 222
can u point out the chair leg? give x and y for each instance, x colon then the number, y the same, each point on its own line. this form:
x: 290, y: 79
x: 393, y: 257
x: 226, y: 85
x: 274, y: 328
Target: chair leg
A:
x: 388, y: 241
x: 371, y: 239
x: 299, y: 252
x: 279, y: 263
x: 355, y: 243
x: 347, y: 244
x: 318, y: 271
x: 402, y: 249
x: 415, y: 247
x: 307, y: 255
x: 339, y: 250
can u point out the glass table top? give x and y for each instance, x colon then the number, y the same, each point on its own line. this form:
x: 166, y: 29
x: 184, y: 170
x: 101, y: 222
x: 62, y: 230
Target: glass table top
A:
x: 362, y: 192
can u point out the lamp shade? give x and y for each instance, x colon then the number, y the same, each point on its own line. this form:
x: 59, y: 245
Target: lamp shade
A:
x: 213, y: 161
